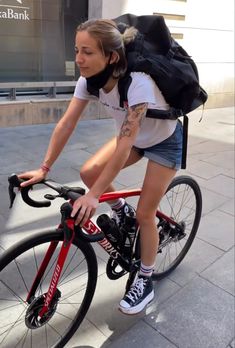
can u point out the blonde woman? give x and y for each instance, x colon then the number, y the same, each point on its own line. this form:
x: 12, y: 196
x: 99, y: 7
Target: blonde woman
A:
x: 100, y: 56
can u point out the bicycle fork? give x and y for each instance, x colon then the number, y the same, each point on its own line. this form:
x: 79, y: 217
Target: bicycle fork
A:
x: 53, y: 292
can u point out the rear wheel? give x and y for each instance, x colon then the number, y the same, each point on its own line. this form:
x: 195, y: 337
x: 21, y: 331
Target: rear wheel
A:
x: 75, y: 290
x: 183, y: 203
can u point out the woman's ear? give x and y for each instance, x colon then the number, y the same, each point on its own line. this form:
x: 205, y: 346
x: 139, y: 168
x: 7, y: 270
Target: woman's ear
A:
x: 114, y: 57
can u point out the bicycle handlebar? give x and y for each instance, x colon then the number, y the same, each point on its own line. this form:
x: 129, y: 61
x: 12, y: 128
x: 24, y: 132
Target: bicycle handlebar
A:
x: 65, y: 192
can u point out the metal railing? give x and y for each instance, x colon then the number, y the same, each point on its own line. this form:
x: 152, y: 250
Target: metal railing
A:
x: 51, y: 86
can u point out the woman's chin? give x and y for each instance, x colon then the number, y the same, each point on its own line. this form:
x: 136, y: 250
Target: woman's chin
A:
x: 84, y: 73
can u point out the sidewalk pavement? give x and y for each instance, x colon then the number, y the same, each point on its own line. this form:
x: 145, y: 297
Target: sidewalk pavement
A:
x: 194, y: 306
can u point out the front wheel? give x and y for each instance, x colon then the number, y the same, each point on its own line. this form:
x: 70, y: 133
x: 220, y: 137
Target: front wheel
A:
x: 183, y: 203
x: 18, y: 268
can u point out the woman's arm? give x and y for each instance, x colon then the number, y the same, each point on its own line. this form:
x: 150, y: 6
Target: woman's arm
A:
x: 59, y: 138
x: 63, y: 130
x: 129, y: 130
x: 126, y: 138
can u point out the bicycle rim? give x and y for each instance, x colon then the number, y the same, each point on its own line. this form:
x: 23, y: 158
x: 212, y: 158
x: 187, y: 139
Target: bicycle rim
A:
x: 183, y: 203
x: 77, y: 283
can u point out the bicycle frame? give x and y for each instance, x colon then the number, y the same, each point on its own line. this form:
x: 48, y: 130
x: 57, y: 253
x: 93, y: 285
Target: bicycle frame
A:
x: 91, y: 229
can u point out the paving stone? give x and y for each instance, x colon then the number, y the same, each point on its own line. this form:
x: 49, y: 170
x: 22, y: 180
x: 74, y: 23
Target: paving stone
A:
x: 66, y: 175
x: 131, y: 175
x: 200, y: 156
x: 27, y: 131
x: 199, y: 315
x: 212, y: 127
x: 217, y: 228
x: 228, y: 207
x: 15, y: 165
x: 209, y: 150
x: 141, y: 335
x: 223, y: 159
x: 108, y: 294
x: 211, y: 200
x: 104, y: 313
x: 221, y: 273
x: 75, y: 158
x: 205, y: 169
x: 227, y: 189
x: 164, y: 289
x: 232, y: 344
x: 87, y: 336
x: 199, y: 257
x: 230, y: 173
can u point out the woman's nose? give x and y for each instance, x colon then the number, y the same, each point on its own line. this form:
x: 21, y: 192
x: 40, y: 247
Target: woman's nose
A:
x: 79, y: 59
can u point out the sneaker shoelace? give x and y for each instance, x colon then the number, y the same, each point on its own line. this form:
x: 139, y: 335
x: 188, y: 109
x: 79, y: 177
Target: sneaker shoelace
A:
x: 137, y: 290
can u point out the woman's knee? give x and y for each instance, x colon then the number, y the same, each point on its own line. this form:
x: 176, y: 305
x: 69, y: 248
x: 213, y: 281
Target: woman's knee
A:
x: 145, y: 217
x: 88, y: 174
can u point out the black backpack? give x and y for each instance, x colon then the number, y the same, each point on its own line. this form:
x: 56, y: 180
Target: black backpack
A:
x: 156, y: 53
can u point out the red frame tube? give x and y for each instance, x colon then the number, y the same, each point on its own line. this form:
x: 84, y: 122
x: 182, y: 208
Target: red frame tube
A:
x: 42, y: 269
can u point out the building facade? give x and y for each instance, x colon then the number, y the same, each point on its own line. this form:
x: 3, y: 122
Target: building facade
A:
x: 37, y: 39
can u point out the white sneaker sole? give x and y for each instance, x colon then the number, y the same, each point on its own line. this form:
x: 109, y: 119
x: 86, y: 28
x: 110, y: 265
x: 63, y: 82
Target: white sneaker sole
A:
x: 137, y: 309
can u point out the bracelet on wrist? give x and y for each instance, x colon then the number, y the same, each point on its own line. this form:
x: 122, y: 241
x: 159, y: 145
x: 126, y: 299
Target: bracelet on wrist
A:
x: 45, y: 168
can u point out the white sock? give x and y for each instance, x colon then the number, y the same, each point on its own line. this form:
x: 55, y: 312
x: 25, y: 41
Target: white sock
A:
x: 146, y: 270
x: 118, y: 204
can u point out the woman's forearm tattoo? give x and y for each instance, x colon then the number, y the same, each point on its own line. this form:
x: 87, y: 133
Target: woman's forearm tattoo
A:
x: 135, y: 113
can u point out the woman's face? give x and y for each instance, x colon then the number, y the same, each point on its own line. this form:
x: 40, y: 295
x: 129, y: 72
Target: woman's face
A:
x: 89, y: 58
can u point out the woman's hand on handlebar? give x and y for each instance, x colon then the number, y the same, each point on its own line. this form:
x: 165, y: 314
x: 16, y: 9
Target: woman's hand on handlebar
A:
x: 84, y: 208
x: 33, y: 177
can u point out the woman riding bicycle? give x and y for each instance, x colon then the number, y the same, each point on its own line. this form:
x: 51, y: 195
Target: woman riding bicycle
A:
x: 100, y: 56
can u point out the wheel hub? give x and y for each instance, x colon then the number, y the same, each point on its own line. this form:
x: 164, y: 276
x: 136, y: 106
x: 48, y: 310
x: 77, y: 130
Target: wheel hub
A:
x: 32, y: 319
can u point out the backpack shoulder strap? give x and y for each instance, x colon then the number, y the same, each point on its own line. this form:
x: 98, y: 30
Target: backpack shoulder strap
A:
x: 93, y: 91
x: 123, y: 86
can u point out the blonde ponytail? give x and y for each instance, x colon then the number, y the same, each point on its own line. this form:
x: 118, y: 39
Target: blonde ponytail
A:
x: 129, y: 35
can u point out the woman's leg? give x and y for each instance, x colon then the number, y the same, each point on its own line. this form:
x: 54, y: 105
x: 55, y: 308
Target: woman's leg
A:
x: 156, y: 182
x: 94, y: 166
x: 157, y: 179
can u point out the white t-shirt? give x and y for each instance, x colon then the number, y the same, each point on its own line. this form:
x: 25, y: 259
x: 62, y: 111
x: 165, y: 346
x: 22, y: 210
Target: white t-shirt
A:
x: 141, y: 90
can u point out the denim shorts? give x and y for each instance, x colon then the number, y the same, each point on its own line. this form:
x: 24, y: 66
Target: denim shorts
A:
x: 167, y: 153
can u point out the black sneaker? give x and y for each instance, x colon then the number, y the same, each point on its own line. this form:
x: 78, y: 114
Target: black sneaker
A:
x: 119, y: 215
x: 139, y: 295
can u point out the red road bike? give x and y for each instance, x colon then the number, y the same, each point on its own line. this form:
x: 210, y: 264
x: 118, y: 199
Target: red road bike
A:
x: 47, y: 280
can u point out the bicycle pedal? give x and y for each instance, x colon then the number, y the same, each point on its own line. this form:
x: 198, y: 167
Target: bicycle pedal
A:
x: 181, y: 236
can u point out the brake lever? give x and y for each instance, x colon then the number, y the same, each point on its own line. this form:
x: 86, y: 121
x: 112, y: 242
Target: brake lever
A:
x: 12, y: 195
x: 14, y: 181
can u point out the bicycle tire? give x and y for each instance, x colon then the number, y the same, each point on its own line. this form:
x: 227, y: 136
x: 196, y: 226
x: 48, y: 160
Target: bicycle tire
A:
x: 15, y: 281
x: 182, y: 202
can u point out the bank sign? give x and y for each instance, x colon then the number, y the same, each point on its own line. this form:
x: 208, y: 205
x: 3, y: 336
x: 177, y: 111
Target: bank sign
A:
x: 15, y: 11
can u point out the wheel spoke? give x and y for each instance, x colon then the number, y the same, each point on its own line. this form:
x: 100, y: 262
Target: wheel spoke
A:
x: 14, y: 324
x: 182, y: 203
x: 12, y: 292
